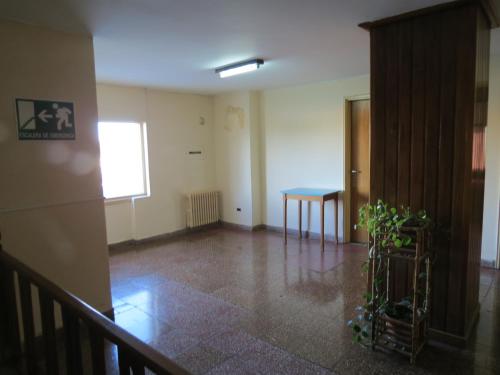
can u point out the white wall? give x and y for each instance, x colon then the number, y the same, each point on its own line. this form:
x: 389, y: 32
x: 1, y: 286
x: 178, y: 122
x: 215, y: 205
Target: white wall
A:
x: 174, y: 128
x: 492, y: 183
x: 303, y: 146
x: 237, y: 156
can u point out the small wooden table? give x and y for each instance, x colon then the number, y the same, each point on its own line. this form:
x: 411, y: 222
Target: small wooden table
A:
x: 318, y: 195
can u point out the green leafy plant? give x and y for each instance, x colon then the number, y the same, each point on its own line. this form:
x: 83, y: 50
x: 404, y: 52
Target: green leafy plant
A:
x: 385, y: 226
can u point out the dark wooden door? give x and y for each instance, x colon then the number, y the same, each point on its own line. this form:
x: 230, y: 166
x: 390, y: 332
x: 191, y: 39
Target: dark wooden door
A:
x: 360, y: 164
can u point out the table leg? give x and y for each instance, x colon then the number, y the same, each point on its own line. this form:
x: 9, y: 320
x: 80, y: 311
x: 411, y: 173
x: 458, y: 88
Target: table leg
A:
x: 300, y: 219
x: 285, y: 201
x: 322, y: 224
x: 336, y: 200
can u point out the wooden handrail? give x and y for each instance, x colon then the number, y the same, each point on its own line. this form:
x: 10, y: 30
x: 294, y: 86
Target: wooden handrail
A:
x: 136, y: 354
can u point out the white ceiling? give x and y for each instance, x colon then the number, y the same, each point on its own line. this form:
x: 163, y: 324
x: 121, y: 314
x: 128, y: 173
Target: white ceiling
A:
x: 177, y: 44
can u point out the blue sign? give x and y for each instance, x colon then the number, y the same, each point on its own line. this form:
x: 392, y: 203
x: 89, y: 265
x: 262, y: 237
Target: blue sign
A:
x: 45, y: 119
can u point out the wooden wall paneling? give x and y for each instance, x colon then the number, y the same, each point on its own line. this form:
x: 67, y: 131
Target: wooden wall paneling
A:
x: 377, y: 117
x: 488, y: 9
x: 433, y: 64
x: 445, y: 162
x: 478, y: 165
x: 460, y: 216
x: 418, y: 113
x: 404, y: 81
x: 391, y: 113
x: 416, y: 132
x: 404, y: 112
x: 391, y: 125
x: 377, y: 110
x: 428, y: 103
x: 432, y: 112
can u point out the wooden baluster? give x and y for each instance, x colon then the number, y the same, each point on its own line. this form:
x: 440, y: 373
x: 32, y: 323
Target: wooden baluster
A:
x: 123, y: 361
x: 132, y: 354
x: 10, y: 342
x: 72, y: 341
x: 49, y: 333
x: 97, y: 351
x: 28, y: 325
x: 138, y: 369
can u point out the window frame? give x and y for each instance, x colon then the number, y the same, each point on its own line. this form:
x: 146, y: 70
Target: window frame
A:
x: 145, y: 165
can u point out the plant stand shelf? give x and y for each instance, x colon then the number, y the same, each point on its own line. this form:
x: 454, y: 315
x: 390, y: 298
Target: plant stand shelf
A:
x: 405, y: 336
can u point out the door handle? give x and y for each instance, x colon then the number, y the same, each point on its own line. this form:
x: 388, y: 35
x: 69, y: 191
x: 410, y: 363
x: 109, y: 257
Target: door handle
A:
x: 355, y: 171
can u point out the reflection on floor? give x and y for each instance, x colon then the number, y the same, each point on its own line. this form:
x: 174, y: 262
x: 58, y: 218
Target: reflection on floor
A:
x: 233, y: 302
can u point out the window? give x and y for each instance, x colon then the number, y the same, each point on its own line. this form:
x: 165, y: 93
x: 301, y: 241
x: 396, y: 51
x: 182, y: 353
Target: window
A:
x: 123, y: 159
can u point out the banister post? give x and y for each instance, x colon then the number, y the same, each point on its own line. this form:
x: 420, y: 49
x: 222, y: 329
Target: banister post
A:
x: 72, y: 342
x: 10, y: 343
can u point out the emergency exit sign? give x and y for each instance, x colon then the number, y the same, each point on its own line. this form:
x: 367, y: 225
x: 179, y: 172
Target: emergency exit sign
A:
x: 45, y: 119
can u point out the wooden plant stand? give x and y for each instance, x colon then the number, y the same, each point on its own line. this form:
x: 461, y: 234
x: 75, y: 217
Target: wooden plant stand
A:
x: 405, y: 337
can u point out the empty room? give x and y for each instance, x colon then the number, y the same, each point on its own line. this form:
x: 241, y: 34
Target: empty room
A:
x: 250, y: 187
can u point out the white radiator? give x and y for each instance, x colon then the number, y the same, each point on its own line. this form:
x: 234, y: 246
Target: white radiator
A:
x: 202, y: 208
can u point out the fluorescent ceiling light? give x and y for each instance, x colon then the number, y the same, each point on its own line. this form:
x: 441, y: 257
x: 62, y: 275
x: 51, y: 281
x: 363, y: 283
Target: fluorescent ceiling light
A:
x: 239, y: 68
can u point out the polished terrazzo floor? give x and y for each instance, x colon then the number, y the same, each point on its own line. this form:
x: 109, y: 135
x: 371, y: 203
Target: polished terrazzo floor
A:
x: 233, y: 302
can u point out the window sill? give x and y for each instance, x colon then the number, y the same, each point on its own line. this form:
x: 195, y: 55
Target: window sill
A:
x: 118, y: 200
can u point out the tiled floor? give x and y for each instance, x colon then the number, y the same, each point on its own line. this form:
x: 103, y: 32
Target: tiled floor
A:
x: 233, y: 302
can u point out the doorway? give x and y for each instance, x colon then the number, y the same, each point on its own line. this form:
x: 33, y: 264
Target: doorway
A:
x: 359, y: 164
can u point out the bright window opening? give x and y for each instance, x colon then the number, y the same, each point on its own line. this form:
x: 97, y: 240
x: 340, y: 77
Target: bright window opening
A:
x: 123, y: 159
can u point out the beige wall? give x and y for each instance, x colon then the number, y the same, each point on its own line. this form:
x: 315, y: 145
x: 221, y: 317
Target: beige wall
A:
x: 264, y: 142
x: 51, y: 208
x: 173, y: 129
x: 256, y: 157
x: 303, y: 146
x: 237, y: 144
x: 492, y: 183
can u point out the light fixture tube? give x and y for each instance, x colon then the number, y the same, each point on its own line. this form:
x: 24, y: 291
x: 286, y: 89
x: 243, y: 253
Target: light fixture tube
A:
x: 239, y: 68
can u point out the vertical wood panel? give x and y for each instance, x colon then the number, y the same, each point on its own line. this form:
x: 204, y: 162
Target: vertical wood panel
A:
x: 478, y: 163
x: 464, y: 117
x: 419, y: 54
x: 391, y: 125
x: 445, y: 162
x: 418, y: 113
x: 377, y: 110
x: 404, y: 80
x: 391, y: 113
x: 432, y: 112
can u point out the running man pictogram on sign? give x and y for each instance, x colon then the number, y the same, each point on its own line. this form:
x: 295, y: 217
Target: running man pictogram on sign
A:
x: 45, y: 119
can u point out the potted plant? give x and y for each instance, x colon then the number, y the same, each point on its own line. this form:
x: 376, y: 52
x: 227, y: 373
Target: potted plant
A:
x: 391, y: 232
